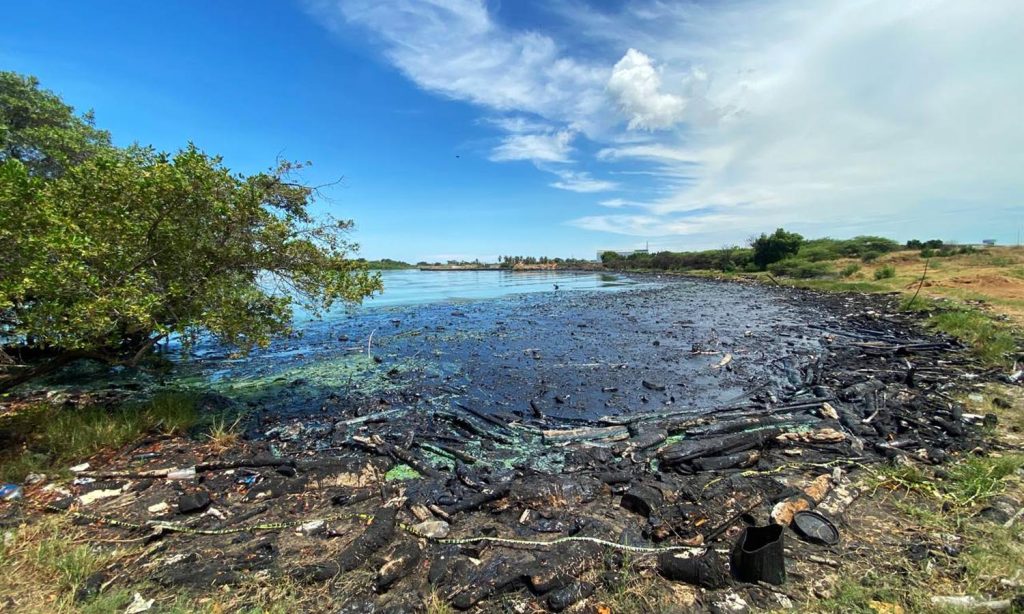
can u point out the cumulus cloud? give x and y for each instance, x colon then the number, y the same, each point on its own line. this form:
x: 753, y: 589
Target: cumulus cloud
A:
x: 636, y: 86
x: 547, y: 147
x: 831, y: 117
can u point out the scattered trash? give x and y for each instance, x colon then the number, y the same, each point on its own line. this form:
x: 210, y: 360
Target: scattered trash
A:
x: 139, y: 604
x: 182, y: 474
x: 79, y: 468
x: 11, y: 492
x: 707, y: 570
x: 95, y: 495
x: 758, y: 555
x: 815, y: 528
x: 158, y: 508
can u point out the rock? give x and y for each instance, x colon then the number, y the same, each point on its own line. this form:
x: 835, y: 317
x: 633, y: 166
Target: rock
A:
x: 313, y: 527
x: 432, y: 529
x: 653, y: 386
x: 194, y: 502
x: 158, y: 508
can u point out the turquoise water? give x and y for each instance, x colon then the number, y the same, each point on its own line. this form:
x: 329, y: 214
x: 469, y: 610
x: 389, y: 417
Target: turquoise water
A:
x: 409, y: 287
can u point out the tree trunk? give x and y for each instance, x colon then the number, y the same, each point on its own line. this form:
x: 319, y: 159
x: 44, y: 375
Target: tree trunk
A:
x: 55, y: 363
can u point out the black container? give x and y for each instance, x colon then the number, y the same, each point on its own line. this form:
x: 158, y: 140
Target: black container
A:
x: 759, y: 556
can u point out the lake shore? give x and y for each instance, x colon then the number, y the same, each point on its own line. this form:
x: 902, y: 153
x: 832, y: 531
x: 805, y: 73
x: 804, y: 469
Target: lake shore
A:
x: 662, y: 416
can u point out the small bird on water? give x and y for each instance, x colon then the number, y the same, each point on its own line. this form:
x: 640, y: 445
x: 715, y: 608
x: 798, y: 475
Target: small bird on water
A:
x: 556, y: 286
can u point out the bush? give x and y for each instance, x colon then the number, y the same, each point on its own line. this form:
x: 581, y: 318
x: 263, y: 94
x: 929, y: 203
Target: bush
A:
x: 775, y: 247
x: 927, y: 253
x: 799, y: 268
x: 886, y: 272
x: 850, y: 269
x: 870, y: 257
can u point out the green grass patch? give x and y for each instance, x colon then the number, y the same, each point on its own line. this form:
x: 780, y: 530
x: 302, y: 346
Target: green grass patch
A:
x: 990, y: 340
x: 401, y: 472
x: 46, y: 438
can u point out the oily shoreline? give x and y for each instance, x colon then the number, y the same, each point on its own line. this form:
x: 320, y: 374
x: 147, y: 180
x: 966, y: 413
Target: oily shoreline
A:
x: 450, y: 452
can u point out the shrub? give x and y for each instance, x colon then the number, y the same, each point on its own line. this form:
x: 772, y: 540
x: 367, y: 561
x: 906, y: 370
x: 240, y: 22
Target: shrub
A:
x: 886, y: 272
x: 799, y: 268
x: 870, y: 257
x: 850, y: 269
x: 927, y: 253
x: 775, y: 247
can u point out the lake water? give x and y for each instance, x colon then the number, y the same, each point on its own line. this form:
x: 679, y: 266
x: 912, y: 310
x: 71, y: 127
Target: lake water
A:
x: 409, y: 287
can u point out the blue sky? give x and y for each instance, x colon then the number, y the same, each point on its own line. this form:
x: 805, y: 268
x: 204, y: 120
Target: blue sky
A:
x: 469, y: 129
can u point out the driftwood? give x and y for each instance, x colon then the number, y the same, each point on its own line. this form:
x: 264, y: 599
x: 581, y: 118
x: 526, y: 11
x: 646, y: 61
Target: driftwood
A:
x: 494, y: 576
x: 375, y: 537
x: 688, y: 450
x: 480, y: 499
x: 605, y: 433
x: 642, y: 500
x: 399, y: 563
x: 729, y: 461
x: 400, y: 454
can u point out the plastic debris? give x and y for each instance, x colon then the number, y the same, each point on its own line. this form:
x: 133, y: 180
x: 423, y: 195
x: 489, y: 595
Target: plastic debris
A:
x: 10, y: 492
x: 95, y: 495
x: 182, y: 474
x: 139, y: 604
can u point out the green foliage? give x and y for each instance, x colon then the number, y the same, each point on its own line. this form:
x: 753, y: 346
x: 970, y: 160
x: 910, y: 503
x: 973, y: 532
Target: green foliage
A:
x: 849, y: 270
x: 725, y: 259
x: 775, y: 247
x: 40, y: 131
x: 887, y: 271
x: 129, y: 246
x: 385, y: 264
x: 799, y: 268
x: 865, y: 247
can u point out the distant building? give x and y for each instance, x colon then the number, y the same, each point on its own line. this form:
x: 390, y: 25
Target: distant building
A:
x: 622, y: 254
x: 988, y: 242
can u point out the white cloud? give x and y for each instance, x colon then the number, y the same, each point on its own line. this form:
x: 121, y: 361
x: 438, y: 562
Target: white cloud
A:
x: 549, y: 147
x: 455, y: 48
x: 831, y: 117
x: 636, y: 86
x: 581, y: 181
x: 616, y: 203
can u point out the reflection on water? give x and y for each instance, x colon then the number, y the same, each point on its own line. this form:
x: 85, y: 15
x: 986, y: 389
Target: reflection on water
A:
x: 414, y: 286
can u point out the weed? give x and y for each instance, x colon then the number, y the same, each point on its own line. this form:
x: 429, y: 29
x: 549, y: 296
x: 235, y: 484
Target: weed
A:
x: 849, y: 270
x: 223, y: 432
x: 435, y: 604
x: 47, y: 563
x: 45, y: 438
x: 887, y: 271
